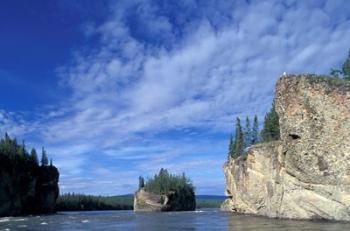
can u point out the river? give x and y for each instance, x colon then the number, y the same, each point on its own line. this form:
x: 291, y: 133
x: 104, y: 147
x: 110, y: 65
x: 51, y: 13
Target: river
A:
x: 206, y: 219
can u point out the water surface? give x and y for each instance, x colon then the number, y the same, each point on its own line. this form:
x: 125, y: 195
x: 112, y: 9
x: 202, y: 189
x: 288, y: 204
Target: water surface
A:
x: 208, y: 219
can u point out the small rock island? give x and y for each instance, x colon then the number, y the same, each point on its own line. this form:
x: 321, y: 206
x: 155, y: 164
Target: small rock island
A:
x: 165, y: 192
x: 306, y: 173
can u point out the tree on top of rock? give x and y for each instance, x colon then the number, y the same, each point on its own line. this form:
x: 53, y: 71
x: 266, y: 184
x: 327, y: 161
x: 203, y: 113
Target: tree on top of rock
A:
x: 255, y: 130
x: 247, y: 133
x: 44, y: 159
x: 271, y: 130
x: 346, y: 67
x: 345, y: 71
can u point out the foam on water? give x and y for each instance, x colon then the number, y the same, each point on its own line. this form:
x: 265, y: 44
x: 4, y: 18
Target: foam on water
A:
x: 4, y: 219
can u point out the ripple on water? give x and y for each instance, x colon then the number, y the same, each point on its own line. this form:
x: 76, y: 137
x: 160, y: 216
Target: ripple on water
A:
x: 20, y: 219
x: 4, y: 219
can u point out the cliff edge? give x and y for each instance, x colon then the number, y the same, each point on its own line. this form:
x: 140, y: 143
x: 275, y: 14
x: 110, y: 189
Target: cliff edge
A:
x: 305, y: 175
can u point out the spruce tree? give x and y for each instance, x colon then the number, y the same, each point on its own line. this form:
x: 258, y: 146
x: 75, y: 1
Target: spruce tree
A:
x: 271, y: 130
x: 346, y: 68
x: 34, y: 157
x: 247, y: 133
x: 44, y: 159
x: 255, y: 130
x: 239, y: 140
x: 141, y: 182
x: 232, y: 147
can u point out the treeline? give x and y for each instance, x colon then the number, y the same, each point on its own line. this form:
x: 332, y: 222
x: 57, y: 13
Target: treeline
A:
x: 81, y: 202
x: 250, y: 134
x: 178, y: 187
x: 24, y: 184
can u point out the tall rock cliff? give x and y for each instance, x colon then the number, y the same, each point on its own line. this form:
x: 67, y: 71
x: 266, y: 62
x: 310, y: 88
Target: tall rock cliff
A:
x: 305, y: 175
x: 25, y: 187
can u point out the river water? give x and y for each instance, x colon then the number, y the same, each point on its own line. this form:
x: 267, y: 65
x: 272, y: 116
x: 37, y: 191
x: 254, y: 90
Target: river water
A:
x: 207, y: 219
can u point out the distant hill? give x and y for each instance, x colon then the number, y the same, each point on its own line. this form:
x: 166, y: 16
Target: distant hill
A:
x: 210, y: 197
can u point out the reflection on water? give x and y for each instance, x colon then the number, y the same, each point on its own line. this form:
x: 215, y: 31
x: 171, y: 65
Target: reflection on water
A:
x: 210, y: 219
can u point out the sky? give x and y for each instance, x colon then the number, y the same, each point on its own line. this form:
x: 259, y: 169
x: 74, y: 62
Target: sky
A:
x: 119, y: 89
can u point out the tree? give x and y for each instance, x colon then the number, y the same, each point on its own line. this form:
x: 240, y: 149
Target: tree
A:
x: 44, y: 159
x: 271, y: 130
x: 247, y: 133
x: 346, y: 67
x: 255, y: 130
x: 344, y: 72
x: 239, y: 140
x: 141, y: 182
x: 34, y: 157
x: 231, y: 147
x: 179, y: 186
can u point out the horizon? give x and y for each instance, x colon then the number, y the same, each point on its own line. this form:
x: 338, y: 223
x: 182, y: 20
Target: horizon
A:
x: 118, y: 89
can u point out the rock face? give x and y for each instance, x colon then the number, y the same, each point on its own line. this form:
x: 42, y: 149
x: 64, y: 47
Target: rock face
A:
x: 149, y: 202
x: 305, y: 175
x: 47, y: 190
x: 34, y: 191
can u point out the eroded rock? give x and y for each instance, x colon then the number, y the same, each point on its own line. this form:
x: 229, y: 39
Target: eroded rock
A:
x: 305, y: 175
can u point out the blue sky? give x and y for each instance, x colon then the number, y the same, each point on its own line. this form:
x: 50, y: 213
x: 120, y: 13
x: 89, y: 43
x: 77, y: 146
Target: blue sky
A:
x: 118, y: 89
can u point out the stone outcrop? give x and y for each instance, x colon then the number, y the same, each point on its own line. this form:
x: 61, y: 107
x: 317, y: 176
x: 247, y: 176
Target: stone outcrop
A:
x: 47, y: 190
x: 35, y: 191
x: 149, y: 202
x: 305, y: 175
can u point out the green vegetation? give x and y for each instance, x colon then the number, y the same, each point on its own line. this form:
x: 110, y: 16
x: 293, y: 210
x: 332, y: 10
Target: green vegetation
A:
x: 24, y: 185
x: 345, y: 70
x: 336, y: 82
x: 271, y: 130
x: 80, y: 202
x: 255, y: 131
x: 178, y: 188
x: 243, y: 138
x: 205, y: 203
x: 250, y: 135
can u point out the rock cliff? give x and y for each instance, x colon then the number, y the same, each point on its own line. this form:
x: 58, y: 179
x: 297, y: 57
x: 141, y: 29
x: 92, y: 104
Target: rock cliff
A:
x: 26, y: 188
x: 305, y: 175
x: 149, y: 202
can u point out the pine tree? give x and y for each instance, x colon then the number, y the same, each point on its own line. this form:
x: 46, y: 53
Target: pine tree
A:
x: 271, y: 130
x: 239, y: 141
x: 232, y: 147
x: 141, y: 182
x: 44, y: 159
x: 346, y: 68
x: 34, y: 157
x: 255, y: 130
x: 247, y: 133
